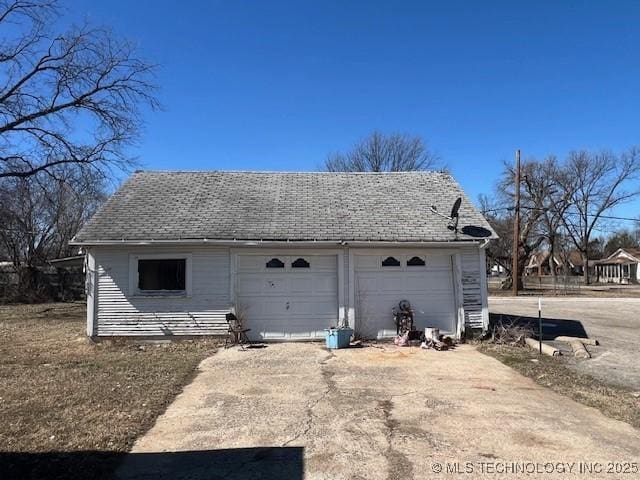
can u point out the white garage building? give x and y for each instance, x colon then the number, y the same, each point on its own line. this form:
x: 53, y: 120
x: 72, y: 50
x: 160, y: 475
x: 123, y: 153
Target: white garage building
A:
x: 171, y: 253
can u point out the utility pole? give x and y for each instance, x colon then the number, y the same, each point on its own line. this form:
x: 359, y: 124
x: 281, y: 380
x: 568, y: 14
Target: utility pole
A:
x: 515, y: 274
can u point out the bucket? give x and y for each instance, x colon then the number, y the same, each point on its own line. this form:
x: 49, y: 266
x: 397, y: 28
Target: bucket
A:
x: 338, y: 337
x: 431, y: 333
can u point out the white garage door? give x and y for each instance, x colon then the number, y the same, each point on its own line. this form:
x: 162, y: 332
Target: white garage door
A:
x: 287, y: 297
x: 383, y: 280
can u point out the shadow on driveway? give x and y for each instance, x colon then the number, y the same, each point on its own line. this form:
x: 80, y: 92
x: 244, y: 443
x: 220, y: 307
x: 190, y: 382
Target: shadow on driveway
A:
x: 551, y: 327
x: 234, y: 463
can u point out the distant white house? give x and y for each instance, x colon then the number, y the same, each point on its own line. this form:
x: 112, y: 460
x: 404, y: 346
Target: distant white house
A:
x: 619, y: 267
x: 171, y: 253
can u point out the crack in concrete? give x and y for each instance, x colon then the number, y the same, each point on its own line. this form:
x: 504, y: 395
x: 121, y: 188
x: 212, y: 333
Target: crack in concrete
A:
x: 404, y: 394
x: 328, y: 378
x: 400, y: 466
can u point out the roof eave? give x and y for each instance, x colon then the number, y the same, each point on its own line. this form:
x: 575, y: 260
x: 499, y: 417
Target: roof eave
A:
x: 254, y: 243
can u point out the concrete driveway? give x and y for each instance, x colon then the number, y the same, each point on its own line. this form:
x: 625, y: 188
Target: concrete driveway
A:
x: 614, y: 322
x: 292, y: 411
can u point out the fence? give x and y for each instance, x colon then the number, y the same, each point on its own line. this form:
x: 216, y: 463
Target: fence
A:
x: 53, y: 284
x: 559, y: 284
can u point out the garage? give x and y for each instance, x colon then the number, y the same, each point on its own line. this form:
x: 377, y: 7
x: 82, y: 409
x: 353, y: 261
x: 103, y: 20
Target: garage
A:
x: 294, y: 253
x: 382, y: 280
x: 287, y: 297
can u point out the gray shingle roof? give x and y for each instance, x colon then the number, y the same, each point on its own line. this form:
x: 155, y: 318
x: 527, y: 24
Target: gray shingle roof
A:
x: 282, y: 206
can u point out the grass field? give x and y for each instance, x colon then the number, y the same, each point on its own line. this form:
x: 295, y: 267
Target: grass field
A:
x: 67, y: 404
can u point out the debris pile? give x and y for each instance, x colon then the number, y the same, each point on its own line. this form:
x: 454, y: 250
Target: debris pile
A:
x: 415, y: 338
x: 406, y: 336
x: 510, y: 331
x: 442, y: 343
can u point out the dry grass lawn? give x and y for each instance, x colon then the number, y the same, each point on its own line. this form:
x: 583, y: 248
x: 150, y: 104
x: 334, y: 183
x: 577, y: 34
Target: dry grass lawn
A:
x: 553, y: 372
x: 60, y: 393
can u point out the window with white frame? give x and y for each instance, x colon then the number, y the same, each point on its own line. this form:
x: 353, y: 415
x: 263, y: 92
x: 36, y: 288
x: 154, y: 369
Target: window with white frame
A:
x: 162, y: 274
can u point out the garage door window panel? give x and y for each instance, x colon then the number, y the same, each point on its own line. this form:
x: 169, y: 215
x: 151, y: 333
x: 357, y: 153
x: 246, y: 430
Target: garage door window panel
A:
x: 275, y: 263
x: 390, y: 262
x: 416, y: 262
x: 300, y: 263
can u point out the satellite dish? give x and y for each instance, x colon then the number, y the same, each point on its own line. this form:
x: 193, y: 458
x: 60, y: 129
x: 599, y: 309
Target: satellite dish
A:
x: 455, y: 208
x: 453, y: 219
x: 475, y: 231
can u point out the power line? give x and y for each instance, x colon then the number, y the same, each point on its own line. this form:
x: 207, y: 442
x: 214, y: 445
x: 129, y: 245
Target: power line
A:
x: 608, y: 217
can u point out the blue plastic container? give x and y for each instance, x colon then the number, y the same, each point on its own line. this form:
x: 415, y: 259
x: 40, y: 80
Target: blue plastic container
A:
x: 338, y: 337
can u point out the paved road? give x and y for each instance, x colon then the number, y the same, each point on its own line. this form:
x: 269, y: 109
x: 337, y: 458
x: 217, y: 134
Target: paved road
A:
x: 293, y: 411
x: 614, y: 322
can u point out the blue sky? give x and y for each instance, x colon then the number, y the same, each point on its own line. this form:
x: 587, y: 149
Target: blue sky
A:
x: 278, y: 85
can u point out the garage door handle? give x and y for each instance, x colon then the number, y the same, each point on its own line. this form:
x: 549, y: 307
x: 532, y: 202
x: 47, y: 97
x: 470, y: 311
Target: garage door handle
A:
x: 287, y: 305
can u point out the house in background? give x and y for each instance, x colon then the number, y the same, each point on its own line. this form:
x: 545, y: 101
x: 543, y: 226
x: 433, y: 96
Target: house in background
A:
x: 171, y: 253
x: 572, y: 263
x: 565, y: 263
x: 538, y: 264
x: 619, y: 267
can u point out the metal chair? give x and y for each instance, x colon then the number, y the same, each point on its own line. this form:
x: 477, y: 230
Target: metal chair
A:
x: 236, y: 334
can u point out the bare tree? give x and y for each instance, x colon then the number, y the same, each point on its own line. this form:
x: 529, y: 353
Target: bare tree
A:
x: 636, y: 230
x: 72, y: 97
x: 595, y: 183
x: 620, y: 239
x: 40, y: 214
x: 384, y: 153
x: 541, y: 181
x: 498, y: 251
x: 561, y: 203
x: 531, y: 208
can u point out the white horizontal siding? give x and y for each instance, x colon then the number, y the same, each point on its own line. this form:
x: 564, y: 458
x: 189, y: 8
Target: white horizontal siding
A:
x: 201, y: 313
x: 472, y: 290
